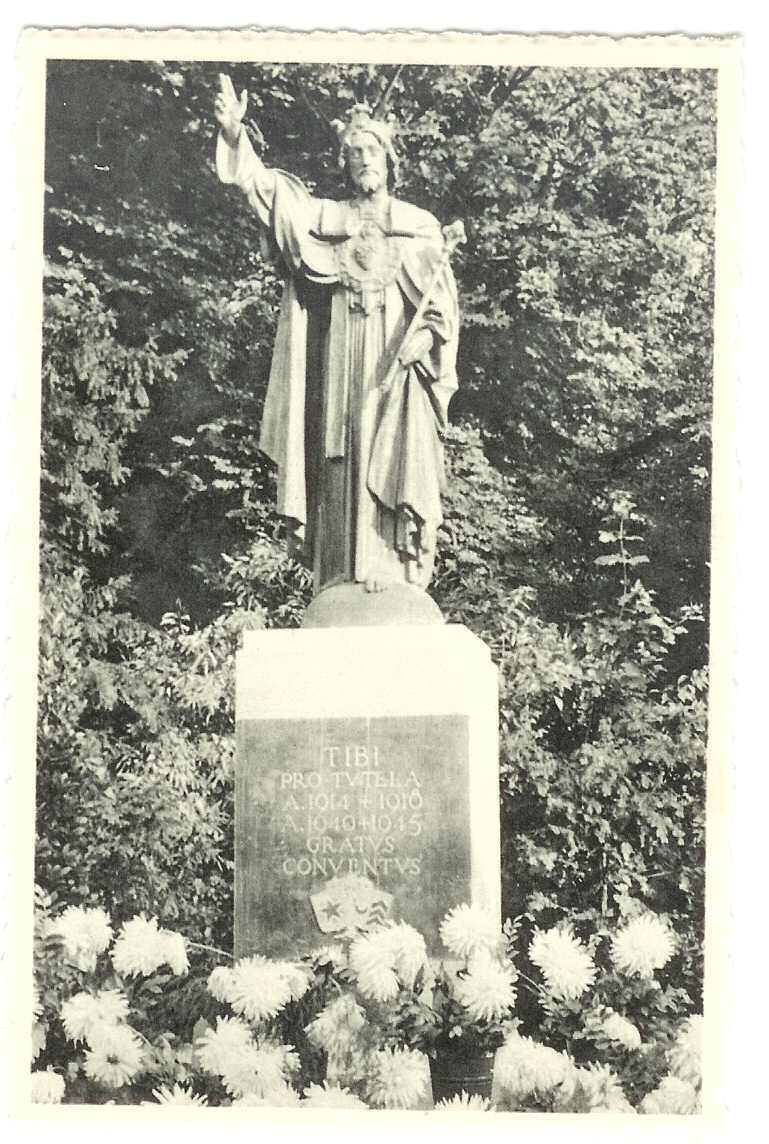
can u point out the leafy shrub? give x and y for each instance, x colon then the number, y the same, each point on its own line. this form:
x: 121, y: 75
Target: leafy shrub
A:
x: 136, y: 752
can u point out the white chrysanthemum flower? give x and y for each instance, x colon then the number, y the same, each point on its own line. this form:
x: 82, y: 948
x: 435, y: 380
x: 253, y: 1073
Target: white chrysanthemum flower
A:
x: 333, y: 955
x: 299, y: 977
x: 468, y: 928
x: 259, y: 1069
x: 219, y: 1050
x: 685, y: 1058
x: 84, y: 1012
x: 386, y: 957
x: 175, y: 952
x: 603, y: 1089
x: 39, y: 1038
x: 409, y: 951
x: 646, y: 943
x: 371, y: 960
x: 398, y: 1079
x: 276, y: 1064
x: 139, y: 948
x: 487, y: 989
x: 550, y: 1068
x: 37, y: 1002
x: 565, y: 962
x: 337, y: 1030
x: 47, y: 1087
x: 523, y: 1067
x: 672, y: 1096
x: 260, y: 987
x: 336, y: 1027
x: 85, y: 932
x: 115, y: 1056
x: 178, y: 1095
x: 462, y: 1102
x: 330, y: 1096
x: 142, y: 947
x: 282, y: 1096
x: 618, y: 1028
x: 219, y: 983
x: 240, y: 1076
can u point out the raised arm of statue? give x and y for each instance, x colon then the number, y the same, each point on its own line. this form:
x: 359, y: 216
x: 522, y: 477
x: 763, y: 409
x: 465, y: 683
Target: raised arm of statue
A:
x: 284, y: 206
x: 236, y: 160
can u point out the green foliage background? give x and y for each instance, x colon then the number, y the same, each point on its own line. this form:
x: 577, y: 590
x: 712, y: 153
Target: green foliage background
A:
x: 576, y: 534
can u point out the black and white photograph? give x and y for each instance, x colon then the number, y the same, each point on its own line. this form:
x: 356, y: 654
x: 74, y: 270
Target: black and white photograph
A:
x: 376, y: 615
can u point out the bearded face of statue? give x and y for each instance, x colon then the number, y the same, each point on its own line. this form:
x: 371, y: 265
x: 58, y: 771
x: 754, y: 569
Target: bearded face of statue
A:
x: 366, y: 163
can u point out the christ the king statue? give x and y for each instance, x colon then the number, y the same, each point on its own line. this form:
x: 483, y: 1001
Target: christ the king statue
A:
x: 364, y: 362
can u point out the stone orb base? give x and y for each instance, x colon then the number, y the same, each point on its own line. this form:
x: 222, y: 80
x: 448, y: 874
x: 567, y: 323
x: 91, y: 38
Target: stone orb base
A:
x: 352, y: 606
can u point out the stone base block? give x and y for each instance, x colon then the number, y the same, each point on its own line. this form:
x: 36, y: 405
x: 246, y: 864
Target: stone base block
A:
x: 367, y: 782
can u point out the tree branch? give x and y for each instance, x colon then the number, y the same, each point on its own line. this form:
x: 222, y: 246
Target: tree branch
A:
x: 581, y: 95
x: 383, y: 102
x: 316, y: 111
x: 519, y: 77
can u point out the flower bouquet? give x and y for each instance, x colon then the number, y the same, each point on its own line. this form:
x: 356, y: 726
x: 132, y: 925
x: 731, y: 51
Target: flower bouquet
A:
x: 457, y: 1013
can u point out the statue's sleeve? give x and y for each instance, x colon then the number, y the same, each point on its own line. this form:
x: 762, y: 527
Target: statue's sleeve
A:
x: 284, y: 206
x: 240, y: 165
x: 441, y: 317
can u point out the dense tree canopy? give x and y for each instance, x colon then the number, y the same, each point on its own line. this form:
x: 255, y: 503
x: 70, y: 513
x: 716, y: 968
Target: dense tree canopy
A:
x: 576, y: 533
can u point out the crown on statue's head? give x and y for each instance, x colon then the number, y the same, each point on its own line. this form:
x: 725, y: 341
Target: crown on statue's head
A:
x: 361, y: 120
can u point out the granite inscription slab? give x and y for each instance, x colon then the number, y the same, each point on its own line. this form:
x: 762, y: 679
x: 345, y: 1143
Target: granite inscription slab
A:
x: 344, y: 822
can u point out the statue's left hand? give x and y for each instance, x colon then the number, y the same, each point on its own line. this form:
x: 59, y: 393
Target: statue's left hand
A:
x: 416, y: 347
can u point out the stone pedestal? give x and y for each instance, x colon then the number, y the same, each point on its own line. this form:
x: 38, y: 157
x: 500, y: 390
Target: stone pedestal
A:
x: 367, y: 782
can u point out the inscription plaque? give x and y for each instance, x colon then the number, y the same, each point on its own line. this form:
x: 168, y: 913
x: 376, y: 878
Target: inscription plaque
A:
x: 341, y: 822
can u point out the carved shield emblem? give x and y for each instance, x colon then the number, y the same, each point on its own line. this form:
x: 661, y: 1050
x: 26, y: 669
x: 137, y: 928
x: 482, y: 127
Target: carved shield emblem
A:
x: 350, y: 905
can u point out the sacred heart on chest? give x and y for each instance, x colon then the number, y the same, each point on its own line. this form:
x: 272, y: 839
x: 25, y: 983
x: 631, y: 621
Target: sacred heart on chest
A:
x: 370, y: 259
x: 364, y: 255
x: 367, y: 247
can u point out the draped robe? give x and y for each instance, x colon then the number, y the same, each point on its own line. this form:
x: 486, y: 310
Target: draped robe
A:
x: 360, y: 462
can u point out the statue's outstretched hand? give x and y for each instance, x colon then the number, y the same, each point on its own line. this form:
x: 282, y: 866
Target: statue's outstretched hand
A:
x: 229, y: 109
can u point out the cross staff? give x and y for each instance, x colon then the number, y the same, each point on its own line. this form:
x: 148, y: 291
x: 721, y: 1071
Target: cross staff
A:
x: 453, y: 235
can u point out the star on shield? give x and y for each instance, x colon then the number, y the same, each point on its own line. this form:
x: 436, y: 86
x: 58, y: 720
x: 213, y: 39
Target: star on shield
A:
x: 331, y: 910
